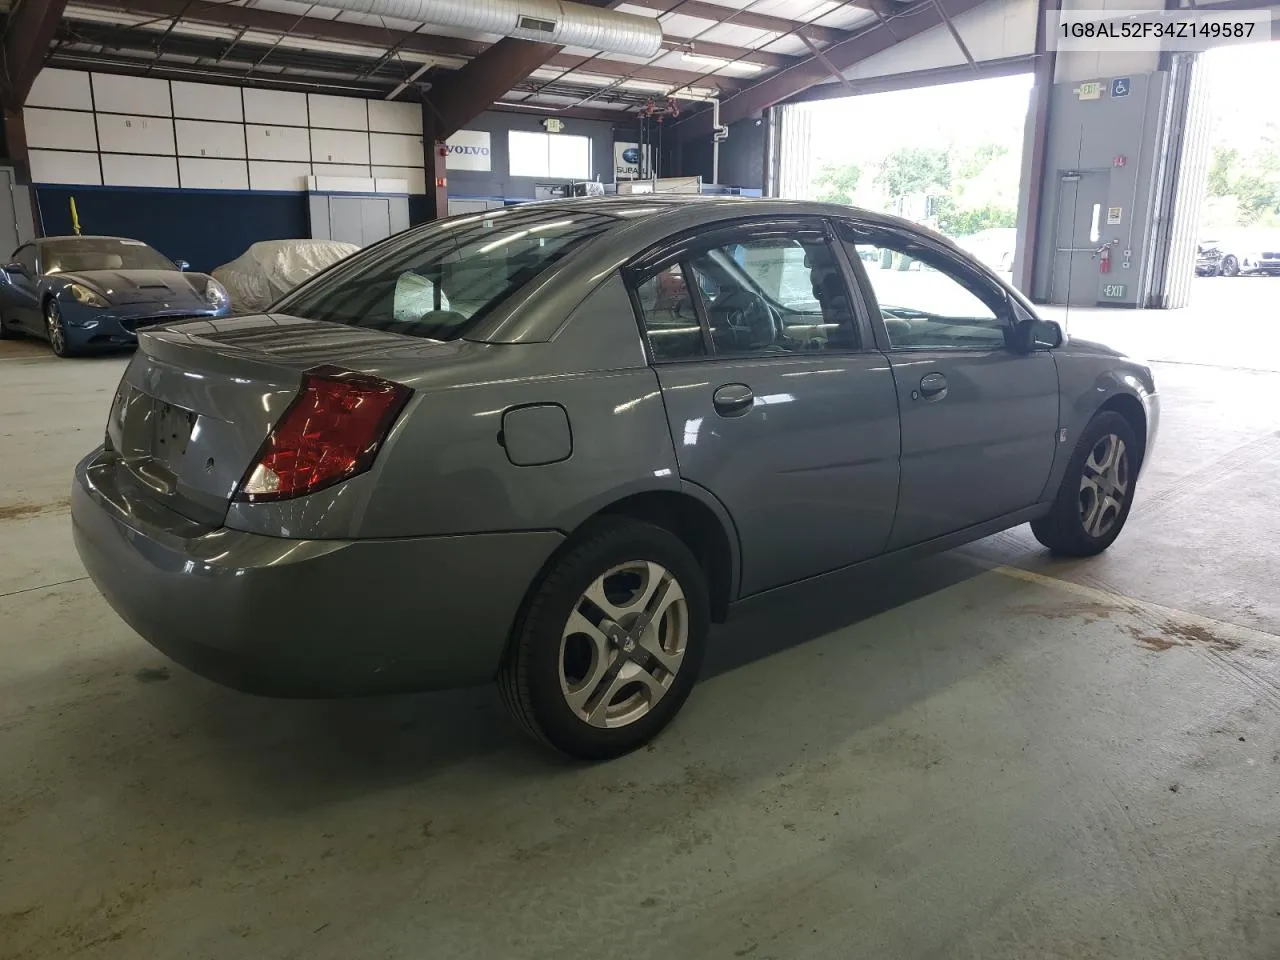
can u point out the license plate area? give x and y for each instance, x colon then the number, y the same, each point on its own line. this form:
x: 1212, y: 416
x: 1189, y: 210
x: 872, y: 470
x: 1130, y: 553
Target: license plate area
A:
x: 171, y: 432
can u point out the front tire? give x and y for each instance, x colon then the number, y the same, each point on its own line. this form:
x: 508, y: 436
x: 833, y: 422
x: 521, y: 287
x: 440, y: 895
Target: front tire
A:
x: 56, y: 330
x: 611, y: 642
x: 1097, y: 490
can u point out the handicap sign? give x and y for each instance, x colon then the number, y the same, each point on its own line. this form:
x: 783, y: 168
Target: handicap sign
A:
x: 1120, y: 87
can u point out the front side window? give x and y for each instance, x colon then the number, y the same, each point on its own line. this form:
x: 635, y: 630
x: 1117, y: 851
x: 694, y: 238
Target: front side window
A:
x: 77, y: 254
x: 439, y: 281
x: 781, y: 293
x: 926, y: 303
x: 26, y: 255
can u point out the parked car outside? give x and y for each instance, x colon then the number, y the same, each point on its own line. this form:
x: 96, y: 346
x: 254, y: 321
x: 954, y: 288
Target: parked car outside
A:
x: 1208, y: 259
x: 550, y: 444
x: 1245, y: 252
x: 81, y: 293
x: 271, y: 268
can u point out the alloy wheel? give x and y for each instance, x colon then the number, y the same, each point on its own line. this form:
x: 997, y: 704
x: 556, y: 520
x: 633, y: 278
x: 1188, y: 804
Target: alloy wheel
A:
x: 623, y: 644
x: 1104, y: 485
x: 53, y: 322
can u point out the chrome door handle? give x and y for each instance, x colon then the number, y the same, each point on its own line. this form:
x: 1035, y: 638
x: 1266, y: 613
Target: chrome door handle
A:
x: 733, y: 399
x: 933, y: 386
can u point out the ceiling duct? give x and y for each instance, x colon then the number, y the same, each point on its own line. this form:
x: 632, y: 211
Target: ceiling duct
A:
x: 546, y: 21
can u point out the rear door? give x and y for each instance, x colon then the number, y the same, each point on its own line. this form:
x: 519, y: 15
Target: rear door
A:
x: 778, y: 401
x: 979, y: 418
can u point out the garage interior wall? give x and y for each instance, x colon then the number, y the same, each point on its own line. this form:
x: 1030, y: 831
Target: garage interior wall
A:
x: 202, y: 170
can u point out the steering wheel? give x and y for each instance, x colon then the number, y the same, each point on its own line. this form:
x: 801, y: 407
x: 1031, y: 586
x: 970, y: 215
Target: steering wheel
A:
x: 746, y: 317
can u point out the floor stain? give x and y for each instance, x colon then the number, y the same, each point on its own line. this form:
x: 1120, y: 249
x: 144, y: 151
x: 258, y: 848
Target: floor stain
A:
x: 15, y: 511
x: 152, y: 674
x: 1198, y: 634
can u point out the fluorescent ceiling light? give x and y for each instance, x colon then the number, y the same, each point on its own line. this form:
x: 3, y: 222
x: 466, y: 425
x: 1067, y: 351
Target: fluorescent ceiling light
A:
x: 716, y: 63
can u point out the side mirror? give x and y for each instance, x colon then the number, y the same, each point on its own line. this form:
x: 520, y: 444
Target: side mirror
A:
x: 14, y: 269
x: 183, y: 265
x: 1035, y: 334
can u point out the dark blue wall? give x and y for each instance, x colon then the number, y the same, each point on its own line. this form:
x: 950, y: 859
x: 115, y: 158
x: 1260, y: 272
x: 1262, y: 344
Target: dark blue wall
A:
x: 206, y: 229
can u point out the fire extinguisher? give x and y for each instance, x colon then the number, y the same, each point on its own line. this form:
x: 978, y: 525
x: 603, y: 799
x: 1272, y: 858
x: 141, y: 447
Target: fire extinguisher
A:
x: 1104, y: 258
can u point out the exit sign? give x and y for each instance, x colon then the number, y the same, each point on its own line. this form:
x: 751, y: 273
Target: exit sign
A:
x: 1090, y: 91
x: 1113, y: 290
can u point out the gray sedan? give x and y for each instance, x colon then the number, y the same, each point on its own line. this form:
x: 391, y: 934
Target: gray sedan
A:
x: 551, y: 444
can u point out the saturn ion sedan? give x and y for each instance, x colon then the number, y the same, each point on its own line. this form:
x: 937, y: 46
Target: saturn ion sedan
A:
x: 549, y: 445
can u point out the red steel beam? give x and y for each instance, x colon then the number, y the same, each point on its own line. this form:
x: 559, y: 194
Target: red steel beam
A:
x: 742, y: 18
x: 28, y: 33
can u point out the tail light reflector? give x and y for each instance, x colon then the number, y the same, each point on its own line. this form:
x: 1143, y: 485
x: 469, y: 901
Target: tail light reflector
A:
x: 331, y: 432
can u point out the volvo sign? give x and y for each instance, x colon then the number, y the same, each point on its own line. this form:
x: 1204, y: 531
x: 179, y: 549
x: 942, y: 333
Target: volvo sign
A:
x: 468, y: 150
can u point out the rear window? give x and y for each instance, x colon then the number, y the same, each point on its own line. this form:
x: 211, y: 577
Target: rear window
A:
x: 439, y: 281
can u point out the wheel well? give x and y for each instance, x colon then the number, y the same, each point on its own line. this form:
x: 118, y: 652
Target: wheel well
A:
x: 1130, y: 408
x: 697, y: 526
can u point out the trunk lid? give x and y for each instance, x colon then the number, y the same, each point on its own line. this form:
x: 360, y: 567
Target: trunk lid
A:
x: 199, y: 398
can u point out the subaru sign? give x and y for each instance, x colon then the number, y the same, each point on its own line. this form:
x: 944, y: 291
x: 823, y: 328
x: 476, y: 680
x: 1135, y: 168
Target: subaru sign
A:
x: 626, y: 160
x: 468, y: 150
x: 631, y: 155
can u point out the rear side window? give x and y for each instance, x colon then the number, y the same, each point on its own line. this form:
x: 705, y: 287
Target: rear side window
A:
x: 439, y: 281
x: 670, y: 319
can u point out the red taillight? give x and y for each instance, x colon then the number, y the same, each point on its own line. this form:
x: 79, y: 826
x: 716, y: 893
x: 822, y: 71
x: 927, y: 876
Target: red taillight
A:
x: 331, y: 431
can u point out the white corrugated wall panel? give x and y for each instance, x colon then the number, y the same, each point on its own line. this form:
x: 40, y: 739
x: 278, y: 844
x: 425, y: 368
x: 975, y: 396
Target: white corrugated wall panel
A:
x: 142, y: 96
x: 65, y: 89
x: 205, y: 138
x: 278, y: 143
x: 64, y: 166
x: 415, y: 177
x: 339, y: 146
x: 201, y: 173
x: 271, y: 175
x: 393, y: 117
x: 795, y: 151
x: 60, y: 129
x: 124, y: 170
x: 338, y: 113
x: 118, y: 133
x: 205, y: 101
x: 395, y: 149
x: 275, y: 107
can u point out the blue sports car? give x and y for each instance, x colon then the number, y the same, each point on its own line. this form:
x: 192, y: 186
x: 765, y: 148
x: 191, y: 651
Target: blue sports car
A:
x: 85, y: 292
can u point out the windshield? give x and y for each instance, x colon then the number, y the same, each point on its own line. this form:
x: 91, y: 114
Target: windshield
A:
x: 438, y: 281
x: 74, y: 255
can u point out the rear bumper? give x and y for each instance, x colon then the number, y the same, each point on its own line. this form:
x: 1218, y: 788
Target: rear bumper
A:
x: 303, y: 618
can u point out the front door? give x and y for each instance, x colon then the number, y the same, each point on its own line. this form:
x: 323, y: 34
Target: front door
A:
x: 1080, y: 231
x: 979, y: 419
x: 778, y: 403
x: 23, y: 296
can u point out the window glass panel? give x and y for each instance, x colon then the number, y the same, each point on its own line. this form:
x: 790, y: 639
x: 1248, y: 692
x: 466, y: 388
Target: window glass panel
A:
x: 569, y: 157
x: 1095, y: 230
x: 436, y: 282
x: 775, y: 295
x: 670, y: 322
x: 928, y: 308
x: 527, y: 154
x: 27, y: 257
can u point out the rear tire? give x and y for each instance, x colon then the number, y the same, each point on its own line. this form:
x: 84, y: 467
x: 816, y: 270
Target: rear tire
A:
x: 596, y: 680
x: 1230, y: 266
x: 1097, y: 490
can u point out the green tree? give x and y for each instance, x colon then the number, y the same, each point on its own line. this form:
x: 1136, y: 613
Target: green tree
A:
x: 909, y: 170
x: 973, y: 163
x: 957, y: 222
x: 1221, y: 170
x: 837, y: 182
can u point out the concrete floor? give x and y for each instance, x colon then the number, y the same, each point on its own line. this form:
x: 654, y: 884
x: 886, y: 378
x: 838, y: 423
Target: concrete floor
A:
x: 984, y: 755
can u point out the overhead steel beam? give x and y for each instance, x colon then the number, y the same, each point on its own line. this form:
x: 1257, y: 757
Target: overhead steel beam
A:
x: 817, y: 52
x: 785, y: 84
x: 743, y: 18
x: 638, y: 71
x: 28, y: 32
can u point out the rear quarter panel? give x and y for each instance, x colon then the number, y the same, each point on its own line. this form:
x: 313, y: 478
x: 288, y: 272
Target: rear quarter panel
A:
x: 444, y: 469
